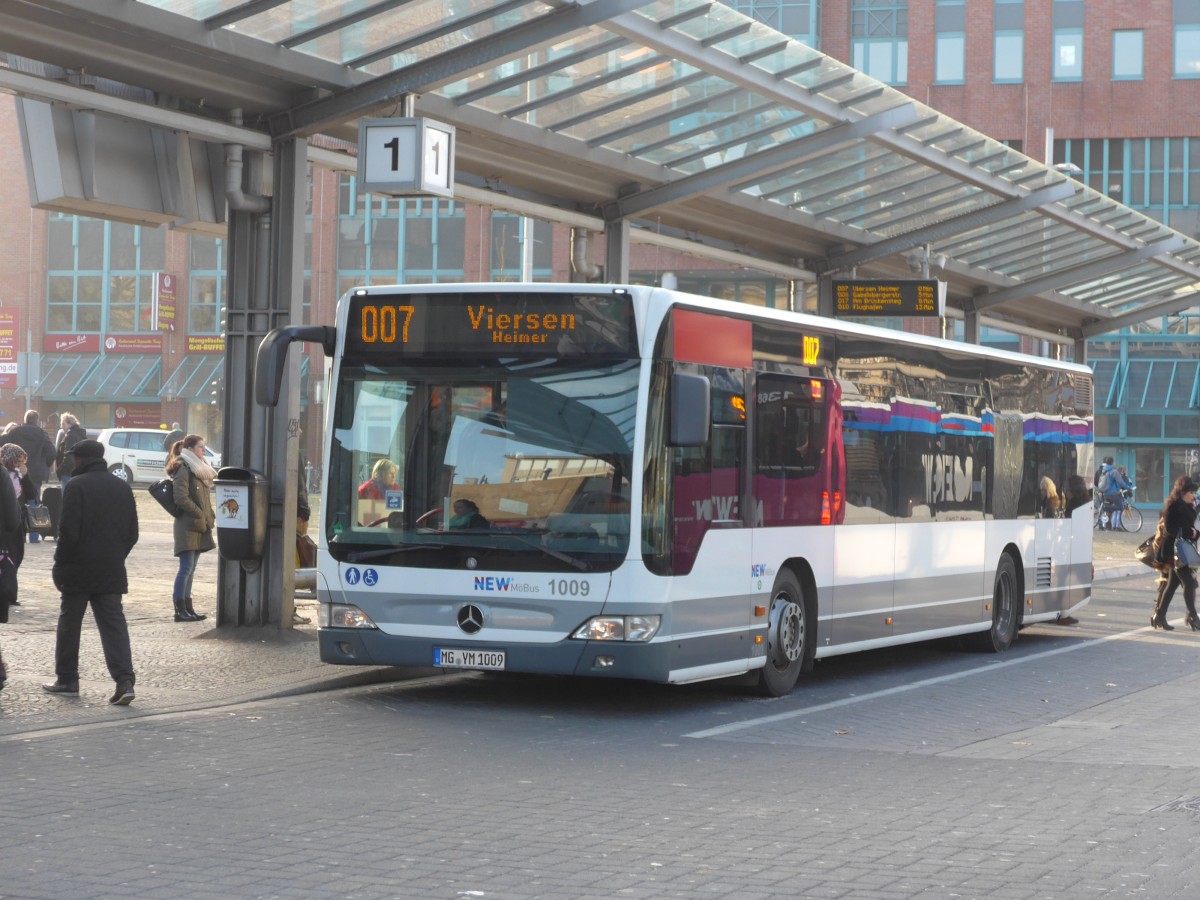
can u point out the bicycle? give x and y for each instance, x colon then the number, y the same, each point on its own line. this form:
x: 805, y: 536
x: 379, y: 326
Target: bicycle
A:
x: 1131, y: 517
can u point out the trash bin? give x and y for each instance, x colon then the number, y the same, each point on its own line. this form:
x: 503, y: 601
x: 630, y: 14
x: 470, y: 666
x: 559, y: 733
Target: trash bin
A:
x: 242, y: 498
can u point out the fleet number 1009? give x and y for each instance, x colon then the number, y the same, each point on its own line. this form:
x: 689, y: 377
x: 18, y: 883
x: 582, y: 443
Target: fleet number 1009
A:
x: 569, y: 587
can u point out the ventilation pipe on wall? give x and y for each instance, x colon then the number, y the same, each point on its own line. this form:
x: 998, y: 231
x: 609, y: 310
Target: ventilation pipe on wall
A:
x: 236, y: 197
x: 580, y: 264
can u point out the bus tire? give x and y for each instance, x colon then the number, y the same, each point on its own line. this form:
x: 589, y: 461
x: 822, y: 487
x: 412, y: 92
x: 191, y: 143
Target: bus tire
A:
x: 1006, y: 610
x: 789, y: 637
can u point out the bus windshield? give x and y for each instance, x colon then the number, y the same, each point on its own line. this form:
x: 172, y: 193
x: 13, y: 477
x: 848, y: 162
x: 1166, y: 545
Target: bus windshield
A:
x: 516, y: 464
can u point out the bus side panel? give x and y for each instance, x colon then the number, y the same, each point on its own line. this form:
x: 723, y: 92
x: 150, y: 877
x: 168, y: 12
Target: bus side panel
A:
x: 942, y: 586
x: 811, y: 546
x: 1048, y: 573
x: 707, y: 613
x: 864, y: 584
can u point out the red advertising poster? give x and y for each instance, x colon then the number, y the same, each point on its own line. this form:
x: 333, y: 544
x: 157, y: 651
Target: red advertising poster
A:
x: 164, y: 301
x: 71, y: 343
x: 10, y: 329
x: 205, y: 343
x: 138, y: 415
x: 133, y: 343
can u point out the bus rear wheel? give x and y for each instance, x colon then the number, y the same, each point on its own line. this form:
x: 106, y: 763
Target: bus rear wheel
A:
x: 1006, y: 610
x: 789, y: 633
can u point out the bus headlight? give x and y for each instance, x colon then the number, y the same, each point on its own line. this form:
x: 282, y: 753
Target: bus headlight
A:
x: 618, y: 628
x: 342, y: 615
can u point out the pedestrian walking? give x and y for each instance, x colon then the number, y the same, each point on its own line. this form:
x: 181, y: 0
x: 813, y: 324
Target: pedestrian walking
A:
x: 1178, y: 519
x: 175, y: 434
x: 13, y: 460
x: 64, y: 459
x: 98, y: 529
x: 192, y: 481
x: 10, y: 519
x: 41, y: 452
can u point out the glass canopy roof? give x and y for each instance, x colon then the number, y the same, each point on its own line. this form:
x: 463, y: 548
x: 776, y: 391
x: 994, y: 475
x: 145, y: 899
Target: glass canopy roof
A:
x: 686, y: 115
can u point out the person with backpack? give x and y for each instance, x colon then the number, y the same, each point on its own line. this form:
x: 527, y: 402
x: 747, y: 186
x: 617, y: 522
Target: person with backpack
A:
x: 192, y: 481
x: 1109, y: 485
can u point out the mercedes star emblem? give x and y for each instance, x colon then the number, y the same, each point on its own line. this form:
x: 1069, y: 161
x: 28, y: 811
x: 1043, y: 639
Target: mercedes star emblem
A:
x: 470, y: 619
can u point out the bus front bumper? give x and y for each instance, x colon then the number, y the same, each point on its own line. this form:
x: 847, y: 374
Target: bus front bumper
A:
x: 606, y: 659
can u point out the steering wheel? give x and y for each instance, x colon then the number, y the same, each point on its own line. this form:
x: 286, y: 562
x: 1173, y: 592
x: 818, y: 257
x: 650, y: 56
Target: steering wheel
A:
x: 431, y: 519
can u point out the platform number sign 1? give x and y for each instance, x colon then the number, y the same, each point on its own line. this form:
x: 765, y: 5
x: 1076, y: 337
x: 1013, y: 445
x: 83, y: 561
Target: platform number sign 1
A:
x: 410, y: 157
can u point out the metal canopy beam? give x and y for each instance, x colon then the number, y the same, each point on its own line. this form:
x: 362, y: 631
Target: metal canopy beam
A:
x: 1079, y: 274
x: 760, y: 164
x: 770, y: 85
x: 308, y: 118
x: 995, y: 213
x: 1152, y: 310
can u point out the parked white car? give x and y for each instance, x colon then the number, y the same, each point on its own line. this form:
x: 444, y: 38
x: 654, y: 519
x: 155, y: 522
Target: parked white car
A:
x: 137, y: 455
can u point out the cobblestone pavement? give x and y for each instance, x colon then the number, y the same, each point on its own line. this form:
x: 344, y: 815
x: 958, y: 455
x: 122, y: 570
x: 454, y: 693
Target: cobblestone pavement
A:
x: 179, y: 665
x: 194, y: 665
x: 1064, y: 768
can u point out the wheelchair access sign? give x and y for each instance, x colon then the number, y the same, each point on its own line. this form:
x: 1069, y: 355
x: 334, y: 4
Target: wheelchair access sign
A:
x: 368, y: 577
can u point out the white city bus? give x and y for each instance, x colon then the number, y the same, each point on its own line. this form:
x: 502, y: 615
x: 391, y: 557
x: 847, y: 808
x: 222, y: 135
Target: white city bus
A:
x: 632, y: 482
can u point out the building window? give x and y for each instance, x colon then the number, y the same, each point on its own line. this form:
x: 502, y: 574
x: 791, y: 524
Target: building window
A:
x: 1187, y: 38
x: 509, y: 236
x: 206, y: 284
x: 796, y: 18
x: 1008, y: 46
x: 387, y: 240
x: 1127, y: 55
x: 1156, y: 176
x: 950, y: 49
x: 100, y: 275
x: 1068, y: 54
x: 879, y: 39
x: 1068, y: 40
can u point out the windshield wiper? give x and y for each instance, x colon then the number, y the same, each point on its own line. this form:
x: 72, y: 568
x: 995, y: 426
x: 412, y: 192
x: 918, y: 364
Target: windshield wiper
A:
x: 555, y: 554
x: 361, y: 555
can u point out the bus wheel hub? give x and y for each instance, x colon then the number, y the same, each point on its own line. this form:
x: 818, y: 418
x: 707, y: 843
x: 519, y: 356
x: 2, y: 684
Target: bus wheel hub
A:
x: 786, y: 631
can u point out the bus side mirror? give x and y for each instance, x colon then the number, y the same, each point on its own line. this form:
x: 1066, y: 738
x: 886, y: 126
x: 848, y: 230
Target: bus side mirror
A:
x: 691, y: 410
x: 272, y: 356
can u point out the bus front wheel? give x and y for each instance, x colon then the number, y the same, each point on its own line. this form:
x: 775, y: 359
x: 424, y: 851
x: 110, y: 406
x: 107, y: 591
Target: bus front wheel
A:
x: 789, y: 633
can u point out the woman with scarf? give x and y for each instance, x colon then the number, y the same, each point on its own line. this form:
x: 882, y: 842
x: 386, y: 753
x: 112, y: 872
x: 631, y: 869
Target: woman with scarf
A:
x: 192, y: 481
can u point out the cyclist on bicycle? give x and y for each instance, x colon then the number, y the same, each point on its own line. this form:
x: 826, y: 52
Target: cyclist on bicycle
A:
x: 1113, y: 482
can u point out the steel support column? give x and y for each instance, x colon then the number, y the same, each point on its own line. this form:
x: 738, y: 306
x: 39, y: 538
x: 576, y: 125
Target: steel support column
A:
x: 616, y: 251
x: 265, y: 291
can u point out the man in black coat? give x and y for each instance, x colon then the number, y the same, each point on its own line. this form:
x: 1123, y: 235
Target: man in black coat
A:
x: 41, y: 452
x: 98, y: 529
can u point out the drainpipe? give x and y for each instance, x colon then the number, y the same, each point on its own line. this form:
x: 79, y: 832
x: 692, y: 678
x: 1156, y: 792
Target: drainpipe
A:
x: 237, y: 198
x: 582, y: 267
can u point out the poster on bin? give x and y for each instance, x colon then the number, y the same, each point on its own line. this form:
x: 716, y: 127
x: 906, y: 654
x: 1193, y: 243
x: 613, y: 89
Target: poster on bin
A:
x: 232, y: 503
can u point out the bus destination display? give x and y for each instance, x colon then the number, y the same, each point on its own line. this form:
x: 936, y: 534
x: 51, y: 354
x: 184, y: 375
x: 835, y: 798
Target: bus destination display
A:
x: 534, y: 324
x: 908, y: 297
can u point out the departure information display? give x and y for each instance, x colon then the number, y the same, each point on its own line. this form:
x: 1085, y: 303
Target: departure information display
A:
x: 496, y: 324
x: 908, y: 297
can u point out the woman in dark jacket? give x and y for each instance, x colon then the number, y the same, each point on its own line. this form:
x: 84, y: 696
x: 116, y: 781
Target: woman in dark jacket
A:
x: 1178, y: 519
x: 72, y: 434
x: 10, y: 534
x: 192, y: 481
x: 12, y: 466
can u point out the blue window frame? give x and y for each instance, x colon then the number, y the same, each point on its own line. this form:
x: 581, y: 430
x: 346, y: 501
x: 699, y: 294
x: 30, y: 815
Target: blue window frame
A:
x: 879, y: 39
x: 100, y: 275
x: 1127, y: 55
